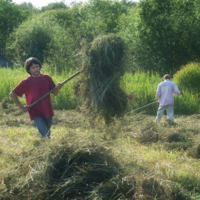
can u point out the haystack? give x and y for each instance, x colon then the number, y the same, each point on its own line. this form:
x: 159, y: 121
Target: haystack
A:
x: 69, y: 172
x: 153, y: 189
x: 177, y: 141
x: 99, y: 87
x: 194, y: 152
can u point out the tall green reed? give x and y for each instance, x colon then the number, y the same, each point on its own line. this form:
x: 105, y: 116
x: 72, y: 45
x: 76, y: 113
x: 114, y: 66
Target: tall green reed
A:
x: 143, y: 85
x: 9, y: 79
x: 64, y: 100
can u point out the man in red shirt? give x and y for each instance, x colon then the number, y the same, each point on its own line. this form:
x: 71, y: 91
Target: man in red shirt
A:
x: 35, y: 86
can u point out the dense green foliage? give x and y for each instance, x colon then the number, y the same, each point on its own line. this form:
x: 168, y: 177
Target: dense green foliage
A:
x: 10, y: 17
x: 27, y: 9
x: 31, y: 38
x: 54, y: 6
x: 161, y: 35
x: 168, y: 30
x: 77, y: 25
x: 188, y: 77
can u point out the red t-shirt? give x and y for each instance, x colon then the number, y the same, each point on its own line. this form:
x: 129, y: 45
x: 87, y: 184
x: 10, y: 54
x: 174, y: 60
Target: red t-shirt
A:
x: 34, y: 88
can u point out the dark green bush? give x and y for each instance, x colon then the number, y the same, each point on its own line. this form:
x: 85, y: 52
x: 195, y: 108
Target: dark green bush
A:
x: 30, y: 39
x: 60, y: 53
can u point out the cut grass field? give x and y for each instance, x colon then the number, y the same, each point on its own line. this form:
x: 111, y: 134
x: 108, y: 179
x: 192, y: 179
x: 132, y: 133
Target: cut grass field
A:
x: 135, y: 158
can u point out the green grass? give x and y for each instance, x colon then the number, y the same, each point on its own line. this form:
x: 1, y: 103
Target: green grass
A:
x: 8, y: 80
x: 143, y: 85
x: 64, y: 100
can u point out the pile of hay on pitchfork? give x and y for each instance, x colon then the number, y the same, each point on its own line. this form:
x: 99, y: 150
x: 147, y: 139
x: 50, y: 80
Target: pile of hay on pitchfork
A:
x: 99, y: 87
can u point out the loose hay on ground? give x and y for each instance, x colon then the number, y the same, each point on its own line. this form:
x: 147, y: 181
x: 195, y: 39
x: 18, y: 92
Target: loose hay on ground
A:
x: 173, y: 139
x: 194, y: 152
x: 153, y: 189
x: 70, y: 172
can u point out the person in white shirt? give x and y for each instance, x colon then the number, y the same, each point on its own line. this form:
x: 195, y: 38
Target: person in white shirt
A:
x: 165, y: 94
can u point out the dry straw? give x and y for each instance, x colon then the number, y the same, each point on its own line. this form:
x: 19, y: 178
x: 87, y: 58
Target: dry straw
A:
x: 99, y: 87
x: 68, y: 172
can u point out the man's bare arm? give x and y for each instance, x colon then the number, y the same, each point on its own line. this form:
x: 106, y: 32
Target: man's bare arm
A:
x: 17, y: 102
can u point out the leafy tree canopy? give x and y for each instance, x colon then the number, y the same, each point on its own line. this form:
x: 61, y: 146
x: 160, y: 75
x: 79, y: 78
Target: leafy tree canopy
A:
x: 31, y: 38
x: 28, y: 10
x: 162, y: 35
x: 54, y: 6
x: 168, y: 34
x: 10, y: 17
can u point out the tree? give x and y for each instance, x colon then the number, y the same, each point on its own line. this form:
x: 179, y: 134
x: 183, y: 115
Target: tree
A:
x: 31, y: 38
x: 28, y: 9
x: 168, y: 34
x: 162, y: 35
x: 109, y: 11
x: 10, y: 17
x: 55, y: 36
x: 54, y: 6
x: 128, y: 3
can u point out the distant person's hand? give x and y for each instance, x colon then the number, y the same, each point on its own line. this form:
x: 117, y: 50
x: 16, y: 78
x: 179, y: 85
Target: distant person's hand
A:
x: 181, y: 91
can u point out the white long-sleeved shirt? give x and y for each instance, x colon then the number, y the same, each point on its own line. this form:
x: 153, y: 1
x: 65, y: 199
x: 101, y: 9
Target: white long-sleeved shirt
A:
x: 165, y: 92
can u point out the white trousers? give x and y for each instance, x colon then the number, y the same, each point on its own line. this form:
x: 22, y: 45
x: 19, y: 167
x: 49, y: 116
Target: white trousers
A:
x: 170, y: 112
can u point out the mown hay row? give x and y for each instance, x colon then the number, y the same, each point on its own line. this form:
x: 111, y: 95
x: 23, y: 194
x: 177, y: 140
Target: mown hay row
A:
x: 68, y: 172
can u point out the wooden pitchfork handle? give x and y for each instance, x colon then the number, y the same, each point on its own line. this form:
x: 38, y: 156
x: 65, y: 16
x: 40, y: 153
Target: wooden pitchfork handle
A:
x: 42, y: 97
x: 145, y: 106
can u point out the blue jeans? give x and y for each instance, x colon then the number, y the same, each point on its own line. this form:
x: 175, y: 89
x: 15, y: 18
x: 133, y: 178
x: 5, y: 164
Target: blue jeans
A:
x: 43, y: 125
x: 170, y: 112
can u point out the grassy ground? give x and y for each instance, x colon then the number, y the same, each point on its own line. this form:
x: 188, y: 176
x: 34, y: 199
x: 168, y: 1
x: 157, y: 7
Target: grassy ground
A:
x: 135, y: 158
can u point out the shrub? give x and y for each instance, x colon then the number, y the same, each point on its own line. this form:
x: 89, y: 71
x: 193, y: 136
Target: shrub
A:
x: 187, y: 104
x: 31, y: 38
x: 188, y: 77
